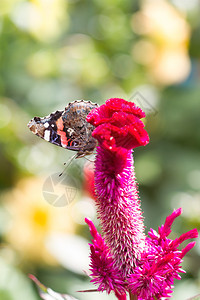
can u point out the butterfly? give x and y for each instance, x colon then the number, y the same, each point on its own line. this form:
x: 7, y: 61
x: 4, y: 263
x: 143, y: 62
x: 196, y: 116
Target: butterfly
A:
x: 68, y: 128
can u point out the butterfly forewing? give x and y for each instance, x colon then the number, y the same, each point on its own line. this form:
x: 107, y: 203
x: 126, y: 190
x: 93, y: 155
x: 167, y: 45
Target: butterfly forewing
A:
x: 68, y: 128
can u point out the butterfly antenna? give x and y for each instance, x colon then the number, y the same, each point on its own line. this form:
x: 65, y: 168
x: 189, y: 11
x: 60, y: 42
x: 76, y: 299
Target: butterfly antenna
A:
x: 89, y: 159
x: 67, y: 164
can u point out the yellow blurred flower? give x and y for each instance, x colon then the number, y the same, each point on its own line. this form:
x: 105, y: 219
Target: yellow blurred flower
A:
x: 45, y: 19
x: 33, y: 219
x: 164, y: 48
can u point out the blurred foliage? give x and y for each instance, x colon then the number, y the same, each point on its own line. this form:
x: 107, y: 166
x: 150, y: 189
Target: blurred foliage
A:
x: 53, y: 52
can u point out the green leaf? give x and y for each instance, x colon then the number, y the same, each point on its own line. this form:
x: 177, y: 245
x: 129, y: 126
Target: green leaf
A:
x: 47, y: 293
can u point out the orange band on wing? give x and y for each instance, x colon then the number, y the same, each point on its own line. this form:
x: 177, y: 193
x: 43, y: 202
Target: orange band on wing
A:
x: 60, y: 126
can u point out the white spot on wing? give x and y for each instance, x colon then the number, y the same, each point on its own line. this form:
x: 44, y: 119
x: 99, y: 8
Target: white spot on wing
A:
x: 47, y: 135
x: 46, y: 124
x: 70, y: 131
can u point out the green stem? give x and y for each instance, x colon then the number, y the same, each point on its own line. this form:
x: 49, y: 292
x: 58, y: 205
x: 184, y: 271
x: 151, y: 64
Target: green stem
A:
x: 132, y: 297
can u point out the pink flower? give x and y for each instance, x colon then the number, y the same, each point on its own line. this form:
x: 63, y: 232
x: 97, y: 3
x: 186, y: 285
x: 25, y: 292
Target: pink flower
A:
x: 88, y: 183
x: 125, y: 260
x: 118, y: 125
x: 104, y: 273
x: 119, y: 129
x: 160, y: 263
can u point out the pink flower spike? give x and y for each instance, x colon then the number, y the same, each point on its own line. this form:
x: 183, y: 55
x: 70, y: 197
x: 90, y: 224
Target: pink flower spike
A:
x: 192, y: 234
x: 104, y: 273
x: 93, y: 230
x: 187, y: 249
x: 165, y: 229
x: 121, y: 297
x: 118, y: 125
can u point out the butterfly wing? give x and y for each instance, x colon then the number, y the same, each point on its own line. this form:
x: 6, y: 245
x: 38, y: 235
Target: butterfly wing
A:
x: 68, y: 129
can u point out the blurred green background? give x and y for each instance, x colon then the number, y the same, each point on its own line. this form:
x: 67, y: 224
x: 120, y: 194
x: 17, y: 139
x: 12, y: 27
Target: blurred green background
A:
x: 55, y: 51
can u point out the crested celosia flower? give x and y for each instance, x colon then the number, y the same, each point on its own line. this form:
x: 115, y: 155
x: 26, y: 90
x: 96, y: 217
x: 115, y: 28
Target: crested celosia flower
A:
x: 124, y: 259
